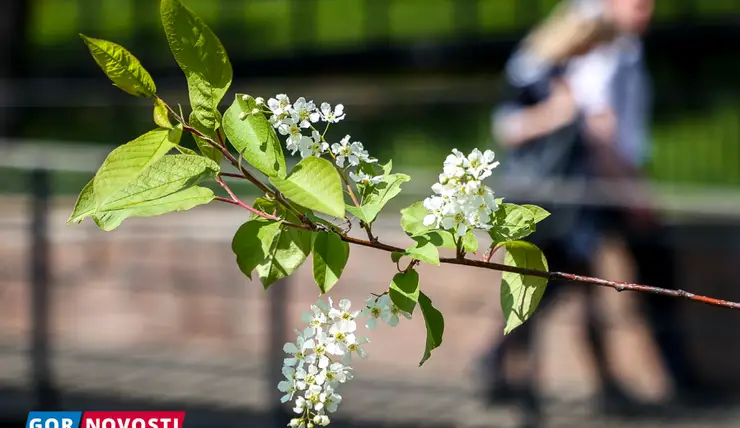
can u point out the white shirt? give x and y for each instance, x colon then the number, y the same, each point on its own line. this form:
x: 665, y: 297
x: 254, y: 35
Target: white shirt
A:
x: 613, y: 77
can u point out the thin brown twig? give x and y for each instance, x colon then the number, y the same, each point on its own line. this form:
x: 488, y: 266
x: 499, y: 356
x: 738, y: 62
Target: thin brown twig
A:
x: 616, y: 285
x: 237, y: 201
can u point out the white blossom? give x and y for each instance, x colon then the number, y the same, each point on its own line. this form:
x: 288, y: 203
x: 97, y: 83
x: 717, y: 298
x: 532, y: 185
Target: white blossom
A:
x: 332, y: 115
x: 344, y: 312
x: 289, y: 127
x: 351, y: 152
x: 355, y: 348
x: 313, y: 146
x: 279, y: 105
x: 288, y: 386
x: 321, y: 356
x: 298, y: 350
x: 321, y: 348
x: 300, y: 405
x: 364, y: 178
x: 461, y: 201
x: 307, y: 378
x: 297, y: 423
x: 304, y: 112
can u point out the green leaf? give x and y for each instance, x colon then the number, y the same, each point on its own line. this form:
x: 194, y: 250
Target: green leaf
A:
x: 110, y: 219
x: 185, y: 150
x: 520, y: 294
x: 204, y: 146
x: 161, y: 116
x: 288, y: 251
x: 178, y: 201
x: 124, y: 164
x: 539, y: 213
x: 315, y: 184
x: 121, y: 67
x: 404, y: 290
x: 424, y: 250
x: 435, y: 325
x: 330, y: 255
x: 511, y: 222
x: 470, y: 242
x: 412, y: 219
x: 202, y: 58
x: 442, y: 239
x: 252, y: 243
x: 381, y: 193
x: 254, y: 136
x: 85, y: 205
x: 168, y: 175
x: 396, y: 256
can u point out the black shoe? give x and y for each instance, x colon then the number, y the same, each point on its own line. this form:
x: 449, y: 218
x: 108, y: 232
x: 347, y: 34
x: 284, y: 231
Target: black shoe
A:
x: 614, y: 401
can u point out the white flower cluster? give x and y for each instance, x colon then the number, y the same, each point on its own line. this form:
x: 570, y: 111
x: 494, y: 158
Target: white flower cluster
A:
x: 461, y: 201
x: 291, y: 120
x: 319, y: 359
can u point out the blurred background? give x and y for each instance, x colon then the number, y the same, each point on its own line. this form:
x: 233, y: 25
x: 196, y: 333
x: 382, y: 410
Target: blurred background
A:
x: 157, y: 315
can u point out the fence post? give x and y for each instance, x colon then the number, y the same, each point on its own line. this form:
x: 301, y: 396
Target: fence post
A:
x: 278, y: 296
x: 44, y: 392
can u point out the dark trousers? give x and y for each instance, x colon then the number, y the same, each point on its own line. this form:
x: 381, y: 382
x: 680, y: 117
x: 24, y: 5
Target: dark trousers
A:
x: 655, y: 262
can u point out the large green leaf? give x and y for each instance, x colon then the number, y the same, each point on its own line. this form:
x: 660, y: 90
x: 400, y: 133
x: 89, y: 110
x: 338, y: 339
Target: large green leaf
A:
x: 520, y: 294
x: 179, y: 201
x: 435, y: 325
x: 202, y: 58
x: 330, y: 256
x: 168, y: 175
x: 252, y: 243
x: 287, y: 253
x: 412, y: 219
x: 254, y: 137
x: 511, y: 222
x: 404, y: 290
x: 315, y: 184
x: 121, y: 67
x: 124, y: 164
x: 111, y: 219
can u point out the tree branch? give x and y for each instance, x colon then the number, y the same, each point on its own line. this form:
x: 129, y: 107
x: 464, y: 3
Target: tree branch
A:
x: 619, y: 286
x: 459, y: 260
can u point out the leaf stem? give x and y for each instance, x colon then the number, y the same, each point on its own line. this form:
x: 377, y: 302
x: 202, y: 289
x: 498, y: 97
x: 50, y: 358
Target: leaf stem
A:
x: 236, y: 201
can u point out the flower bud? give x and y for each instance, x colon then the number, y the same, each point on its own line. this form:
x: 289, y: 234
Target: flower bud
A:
x: 245, y: 97
x: 259, y: 101
x: 242, y: 115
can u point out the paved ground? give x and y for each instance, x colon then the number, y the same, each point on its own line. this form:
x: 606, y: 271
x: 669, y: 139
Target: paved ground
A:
x: 158, y: 310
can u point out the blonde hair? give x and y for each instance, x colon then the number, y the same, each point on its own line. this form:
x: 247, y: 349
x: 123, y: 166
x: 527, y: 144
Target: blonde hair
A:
x: 572, y: 28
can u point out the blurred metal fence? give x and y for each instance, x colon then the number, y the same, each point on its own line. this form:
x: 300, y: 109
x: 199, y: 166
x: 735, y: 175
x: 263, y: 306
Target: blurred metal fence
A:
x: 157, y: 315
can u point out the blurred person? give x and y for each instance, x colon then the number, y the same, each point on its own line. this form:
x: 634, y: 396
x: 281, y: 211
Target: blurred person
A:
x: 581, y: 107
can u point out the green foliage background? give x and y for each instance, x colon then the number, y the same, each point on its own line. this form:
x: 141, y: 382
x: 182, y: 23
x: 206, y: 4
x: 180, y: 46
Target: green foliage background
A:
x: 694, y: 141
